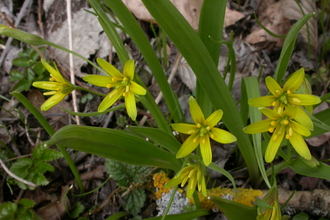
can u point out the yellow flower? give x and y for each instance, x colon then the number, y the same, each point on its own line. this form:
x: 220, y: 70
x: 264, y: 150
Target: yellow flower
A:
x: 60, y: 86
x: 282, y: 98
x: 201, y: 132
x: 123, y: 84
x: 282, y: 125
x: 194, y: 175
x: 270, y: 210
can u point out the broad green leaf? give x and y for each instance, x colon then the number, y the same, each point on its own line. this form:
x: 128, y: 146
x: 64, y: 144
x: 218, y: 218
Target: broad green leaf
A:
x: 7, y: 211
x: 234, y: 210
x: 135, y: 201
x: 21, y: 167
x: 44, y: 167
x: 160, y: 137
x: 22, y: 85
x: 322, y: 171
x: 288, y: 47
x: 77, y: 210
x: 117, y: 216
x: 22, y: 62
x: 45, y: 154
x: 224, y: 172
x: 201, y: 62
x: 15, y: 75
x: 185, y: 216
x: 39, y: 69
x: 26, y: 202
x: 119, y: 145
x: 321, y: 121
x: 301, y: 216
x: 124, y: 174
x: 39, y: 179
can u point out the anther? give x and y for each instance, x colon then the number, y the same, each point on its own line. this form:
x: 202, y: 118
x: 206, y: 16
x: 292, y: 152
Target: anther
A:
x: 271, y: 130
x: 274, y: 104
x: 295, y: 100
x: 287, y: 136
x: 199, y: 125
x: 289, y: 92
x: 275, y: 137
x: 286, y: 122
x: 212, y: 136
x: 195, y: 140
x: 273, y: 123
x: 51, y: 79
x: 124, y: 94
x: 208, y: 128
x: 278, y: 92
x: 109, y: 86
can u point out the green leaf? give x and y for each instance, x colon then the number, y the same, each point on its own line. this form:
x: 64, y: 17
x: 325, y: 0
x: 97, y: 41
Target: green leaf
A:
x: 21, y: 167
x: 135, y: 201
x: 22, y: 62
x: 45, y: 154
x: 160, y: 137
x: 26, y: 202
x: 322, y: 171
x: 185, y: 216
x: 119, y: 145
x: 301, y: 216
x: 118, y: 215
x: 39, y: 179
x: 23, y: 85
x: 124, y: 174
x: 288, y: 47
x: 15, y: 75
x: 230, y: 209
x: 224, y: 172
x: 78, y: 208
x: 7, y: 211
x: 39, y: 69
x: 44, y: 167
x: 30, y: 74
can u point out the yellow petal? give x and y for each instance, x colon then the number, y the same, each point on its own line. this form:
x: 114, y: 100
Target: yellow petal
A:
x: 206, y: 152
x: 273, y: 86
x: 302, y: 130
x: 214, y: 118
x: 271, y: 114
x: 300, y: 146
x: 262, y: 101
x: 109, y: 68
x: 303, y: 99
x: 97, y: 80
x: 129, y: 69
x: 273, y: 145
x: 184, y: 128
x: 54, y: 73
x: 294, y: 81
x: 136, y: 88
x: 258, y: 127
x: 111, y: 98
x: 195, y: 111
x: 55, y: 99
x: 187, y: 147
x: 303, y: 118
x: 203, y: 186
x: 191, y: 187
x: 222, y: 136
x: 130, y: 105
x: 47, y: 85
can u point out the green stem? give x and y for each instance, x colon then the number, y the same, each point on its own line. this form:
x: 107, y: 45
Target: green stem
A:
x: 90, y: 91
x: 50, y: 131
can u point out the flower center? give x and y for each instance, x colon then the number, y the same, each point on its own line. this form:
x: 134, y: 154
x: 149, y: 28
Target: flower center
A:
x: 203, y: 129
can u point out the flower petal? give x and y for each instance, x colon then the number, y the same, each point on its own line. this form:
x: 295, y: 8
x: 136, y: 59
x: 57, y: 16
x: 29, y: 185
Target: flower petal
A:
x: 303, y: 118
x: 110, y: 69
x: 222, y: 136
x: 273, y: 86
x: 303, y: 99
x: 214, y: 118
x: 187, y: 147
x: 130, y: 105
x: 262, y: 101
x: 184, y: 128
x: 258, y: 127
x: 47, y: 85
x: 195, y: 111
x: 97, y: 80
x: 294, y: 81
x: 206, y: 152
x: 111, y: 98
x: 300, y: 129
x: 53, y: 72
x: 271, y: 114
x: 129, y: 69
x: 300, y: 146
x: 55, y: 99
x: 136, y: 88
x: 273, y: 145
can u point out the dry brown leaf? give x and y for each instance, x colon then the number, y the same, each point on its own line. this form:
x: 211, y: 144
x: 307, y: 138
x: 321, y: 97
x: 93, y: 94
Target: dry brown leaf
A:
x: 232, y: 16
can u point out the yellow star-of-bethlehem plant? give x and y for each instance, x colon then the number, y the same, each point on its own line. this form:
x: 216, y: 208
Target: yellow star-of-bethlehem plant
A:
x: 194, y: 175
x: 282, y: 98
x: 282, y: 125
x: 122, y: 83
x: 58, y: 84
x: 201, y: 132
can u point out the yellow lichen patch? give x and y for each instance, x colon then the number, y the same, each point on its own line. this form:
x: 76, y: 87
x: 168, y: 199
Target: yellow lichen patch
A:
x: 160, y: 179
x: 243, y: 196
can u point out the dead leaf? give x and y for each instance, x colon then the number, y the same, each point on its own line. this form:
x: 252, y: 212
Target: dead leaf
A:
x: 232, y: 16
x: 308, y: 182
x: 186, y: 74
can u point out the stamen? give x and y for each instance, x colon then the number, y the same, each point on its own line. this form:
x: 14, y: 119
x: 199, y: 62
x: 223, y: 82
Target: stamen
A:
x: 199, y: 125
x: 278, y: 92
x: 289, y: 92
x: 279, y: 110
x: 287, y: 136
x: 191, y: 132
x: 109, y: 86
x: 114, y: 79
x: 203, y: 141
x: 51, y: 79
x: 208, y: 128
x: 274, y: 103
x: 295, y: 100
x: 195, y: 140
x: 127, y: 88
x: 290, y: 131
x: 124, y: 94
x: 125, y: 79
x: 212, y: 136
x: 59, y: 89
x: 286, y: 122
x: 271, y: 130
x: 273, y: 123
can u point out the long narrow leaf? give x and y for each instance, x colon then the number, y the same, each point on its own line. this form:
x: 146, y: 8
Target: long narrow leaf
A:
x: 199, y: 59
x: 119, y: 145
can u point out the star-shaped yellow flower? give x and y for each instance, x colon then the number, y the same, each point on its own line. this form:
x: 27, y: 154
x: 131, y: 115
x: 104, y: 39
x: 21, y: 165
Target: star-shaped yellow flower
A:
x: 201, y: 132
x: 282, y: 125
x: 194, y: 175
x: 282, y: 98
x: 123, y: 84
x: 60, y: 86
